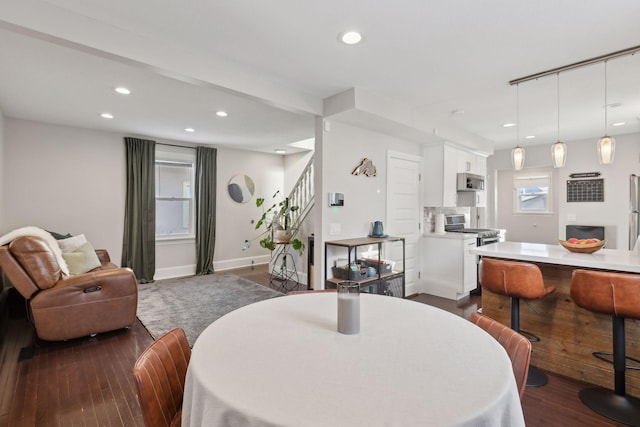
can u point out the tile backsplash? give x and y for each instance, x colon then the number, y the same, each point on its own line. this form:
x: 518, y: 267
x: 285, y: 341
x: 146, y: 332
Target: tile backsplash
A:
x: 429, y: 215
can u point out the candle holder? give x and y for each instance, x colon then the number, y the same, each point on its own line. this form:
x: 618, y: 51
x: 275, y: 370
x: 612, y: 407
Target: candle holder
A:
x: 348, y: 307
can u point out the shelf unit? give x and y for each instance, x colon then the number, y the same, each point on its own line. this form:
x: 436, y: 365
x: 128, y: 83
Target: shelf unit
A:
x: 381, y: 283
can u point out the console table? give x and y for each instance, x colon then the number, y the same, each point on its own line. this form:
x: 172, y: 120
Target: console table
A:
x: 391, y: 283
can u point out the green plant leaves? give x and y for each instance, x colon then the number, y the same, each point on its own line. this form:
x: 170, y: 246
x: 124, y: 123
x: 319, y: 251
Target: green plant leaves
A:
x: 276, y: 217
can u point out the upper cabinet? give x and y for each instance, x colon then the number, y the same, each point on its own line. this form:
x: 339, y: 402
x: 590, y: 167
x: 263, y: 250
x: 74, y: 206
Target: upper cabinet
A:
x: 472, y: 163
x: 439, y: 183
x: 442, y: 164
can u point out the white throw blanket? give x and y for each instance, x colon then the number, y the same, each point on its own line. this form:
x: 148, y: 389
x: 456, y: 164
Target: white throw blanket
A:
x: 44, y: 235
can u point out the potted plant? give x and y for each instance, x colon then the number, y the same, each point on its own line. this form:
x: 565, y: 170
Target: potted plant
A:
x: 276, y: 224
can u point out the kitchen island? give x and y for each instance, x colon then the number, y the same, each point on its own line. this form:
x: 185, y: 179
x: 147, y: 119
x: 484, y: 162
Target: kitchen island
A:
x: 568, y: 334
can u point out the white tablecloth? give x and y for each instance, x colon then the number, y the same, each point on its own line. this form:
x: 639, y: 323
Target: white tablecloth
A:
x: 281, y: 362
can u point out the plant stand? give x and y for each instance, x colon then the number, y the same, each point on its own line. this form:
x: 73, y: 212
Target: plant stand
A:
x: 284, y: 276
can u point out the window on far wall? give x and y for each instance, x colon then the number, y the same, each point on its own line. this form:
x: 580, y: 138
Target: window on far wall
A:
x: 533, y: 192
x: 175, y: 204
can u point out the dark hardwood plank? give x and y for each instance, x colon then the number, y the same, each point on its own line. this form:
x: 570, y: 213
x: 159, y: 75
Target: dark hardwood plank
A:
x: 89, y: 381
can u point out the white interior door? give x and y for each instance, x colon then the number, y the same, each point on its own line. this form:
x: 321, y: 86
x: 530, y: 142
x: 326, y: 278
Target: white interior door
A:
x: 404, y: 213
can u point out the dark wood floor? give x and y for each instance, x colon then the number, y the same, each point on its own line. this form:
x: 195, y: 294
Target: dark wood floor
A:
x: 88, y: 381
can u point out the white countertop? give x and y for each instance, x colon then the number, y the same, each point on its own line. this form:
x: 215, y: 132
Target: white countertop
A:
x: 447, y: 235
x: 606, y: 259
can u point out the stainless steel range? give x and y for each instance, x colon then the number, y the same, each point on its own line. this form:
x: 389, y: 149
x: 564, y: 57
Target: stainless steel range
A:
x: 455, y: 223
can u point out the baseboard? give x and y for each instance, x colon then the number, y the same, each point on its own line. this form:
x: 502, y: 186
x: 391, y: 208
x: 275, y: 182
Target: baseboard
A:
x: 173, y: 272
x: 443, y: 290
x: 229, y: 264
x: 411, y: 289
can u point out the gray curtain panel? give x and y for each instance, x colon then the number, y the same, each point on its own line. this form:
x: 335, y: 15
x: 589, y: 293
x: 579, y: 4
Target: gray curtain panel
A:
x: 205, y: 208
x: 139, y: 241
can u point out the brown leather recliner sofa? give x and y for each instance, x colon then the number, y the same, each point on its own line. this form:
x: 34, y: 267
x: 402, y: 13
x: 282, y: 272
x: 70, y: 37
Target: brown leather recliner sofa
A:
x: 104, y: 299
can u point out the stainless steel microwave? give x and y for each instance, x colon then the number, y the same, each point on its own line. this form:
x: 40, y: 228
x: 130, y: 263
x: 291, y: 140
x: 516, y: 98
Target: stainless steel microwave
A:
x: 470, y: 182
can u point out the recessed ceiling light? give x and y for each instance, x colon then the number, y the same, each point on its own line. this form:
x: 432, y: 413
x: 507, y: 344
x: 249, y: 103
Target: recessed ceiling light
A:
x: 106, y: 115
x: 529, y: 137
x: 350, y: 37
x: 614, y: 105
x: 221, y: 113
x: 619, y: 124
x: 189, y: 130
x: 508, y: 125
x: 122, y: 90
x: 280, y: 151
x: 457, y: 112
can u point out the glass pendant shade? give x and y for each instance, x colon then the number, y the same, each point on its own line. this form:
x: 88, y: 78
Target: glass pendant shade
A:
x: 606, y: 150
x: 517, y: 158
x: 559, y: 154
x: 606, y: 144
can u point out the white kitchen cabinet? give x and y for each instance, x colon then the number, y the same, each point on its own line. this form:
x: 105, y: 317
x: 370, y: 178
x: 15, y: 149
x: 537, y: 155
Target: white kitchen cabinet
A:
x: 481, y: 165
x: 439, y: 177
x: 466, y: 161
x: 476, y: 199
x: 475, y: 164
x: 441, y: 165
x: 472, y: 163
x: 448, y: 267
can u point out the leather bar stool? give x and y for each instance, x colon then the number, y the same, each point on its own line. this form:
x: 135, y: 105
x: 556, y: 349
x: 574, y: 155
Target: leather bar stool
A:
x: 617, y: 295
x: 517, y: 280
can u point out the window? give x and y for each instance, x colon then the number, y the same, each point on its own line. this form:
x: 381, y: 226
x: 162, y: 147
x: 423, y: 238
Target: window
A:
x: 175, y: 204
x: 533, y: 192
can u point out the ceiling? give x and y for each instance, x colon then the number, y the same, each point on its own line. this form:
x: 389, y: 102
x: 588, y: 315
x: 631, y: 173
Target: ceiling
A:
x: 270, y: 65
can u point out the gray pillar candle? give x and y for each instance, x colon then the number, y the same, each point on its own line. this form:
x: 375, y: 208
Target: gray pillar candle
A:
x: 348, y: 307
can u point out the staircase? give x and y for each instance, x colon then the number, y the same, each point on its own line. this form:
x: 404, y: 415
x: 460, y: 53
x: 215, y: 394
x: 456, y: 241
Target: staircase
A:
x: 302, y: 195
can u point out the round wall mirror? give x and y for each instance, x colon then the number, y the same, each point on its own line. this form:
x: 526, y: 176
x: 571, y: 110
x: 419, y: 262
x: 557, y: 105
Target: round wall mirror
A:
x: 241, y: 188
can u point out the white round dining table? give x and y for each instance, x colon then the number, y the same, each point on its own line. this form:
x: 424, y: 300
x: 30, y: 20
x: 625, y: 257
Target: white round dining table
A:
x: 281, y: 362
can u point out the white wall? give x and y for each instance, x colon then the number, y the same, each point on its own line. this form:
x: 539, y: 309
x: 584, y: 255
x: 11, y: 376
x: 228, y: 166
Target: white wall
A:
x: 294, y: 164
x: 343, y: 147
x: 65, y: 179
x: 235, y: 219
x: 582, y: 157
x: 365, y: 197
x: 526, y: 227
x: 2, y: 169
x: 72, y: 180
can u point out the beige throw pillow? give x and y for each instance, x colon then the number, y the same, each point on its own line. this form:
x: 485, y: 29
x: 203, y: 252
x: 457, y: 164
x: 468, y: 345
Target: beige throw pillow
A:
x: 82, y: 260
x: 72, y: 243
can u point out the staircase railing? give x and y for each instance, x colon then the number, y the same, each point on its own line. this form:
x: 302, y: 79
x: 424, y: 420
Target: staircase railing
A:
x: 301, y: 195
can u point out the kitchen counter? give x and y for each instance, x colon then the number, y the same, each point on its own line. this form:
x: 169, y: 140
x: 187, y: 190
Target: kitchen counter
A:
x: 447, y: 235
x: 604, y: 259
x: 568, y: 334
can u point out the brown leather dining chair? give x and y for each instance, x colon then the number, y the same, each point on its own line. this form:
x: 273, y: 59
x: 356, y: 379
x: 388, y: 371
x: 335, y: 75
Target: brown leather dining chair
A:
x: 517, y: 346
x: 160, y: 373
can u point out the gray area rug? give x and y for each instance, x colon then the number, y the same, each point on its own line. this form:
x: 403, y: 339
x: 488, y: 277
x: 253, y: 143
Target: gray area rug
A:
x: 193, y: 303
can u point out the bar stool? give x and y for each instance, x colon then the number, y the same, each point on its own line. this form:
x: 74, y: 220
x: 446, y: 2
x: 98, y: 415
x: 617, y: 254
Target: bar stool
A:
x: 618, y: 295
x: 516, y: 280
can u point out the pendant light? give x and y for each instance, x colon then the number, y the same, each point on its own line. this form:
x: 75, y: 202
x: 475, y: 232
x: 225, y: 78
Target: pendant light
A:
x: 558, y: 149
x: 517, y: 153
x: 606, y: 144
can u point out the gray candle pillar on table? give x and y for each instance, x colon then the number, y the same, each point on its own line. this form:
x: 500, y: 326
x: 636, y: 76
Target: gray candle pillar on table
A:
x: 348, y: 307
